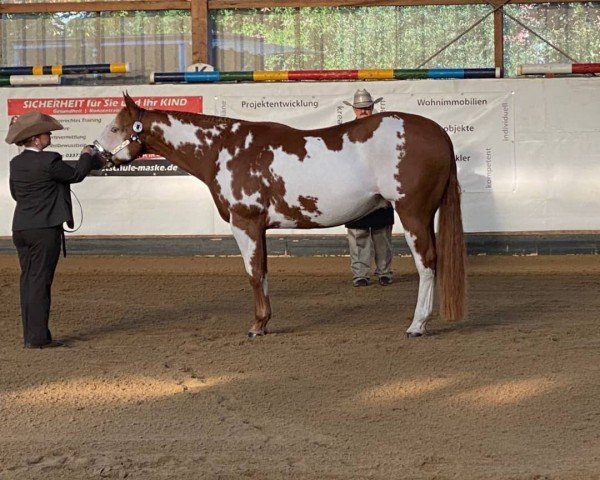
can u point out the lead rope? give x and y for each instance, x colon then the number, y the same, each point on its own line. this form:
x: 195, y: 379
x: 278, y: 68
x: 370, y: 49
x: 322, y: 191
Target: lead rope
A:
x: 62, y: 233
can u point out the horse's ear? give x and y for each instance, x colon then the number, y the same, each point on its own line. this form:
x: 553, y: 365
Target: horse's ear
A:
x: 129, y: 102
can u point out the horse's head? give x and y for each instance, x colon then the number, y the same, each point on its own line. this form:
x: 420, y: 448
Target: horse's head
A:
x: 120, y: 142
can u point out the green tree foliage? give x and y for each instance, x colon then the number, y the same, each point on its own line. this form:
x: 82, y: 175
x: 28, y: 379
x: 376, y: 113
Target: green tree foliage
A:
x: 364, y: 37
x: 308, y: 38
x: 404, y: 37
x: 148, y: 40
x: 574, y: 28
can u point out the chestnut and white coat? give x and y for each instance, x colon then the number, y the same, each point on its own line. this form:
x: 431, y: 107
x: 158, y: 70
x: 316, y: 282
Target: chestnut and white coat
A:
x: 265, y: 175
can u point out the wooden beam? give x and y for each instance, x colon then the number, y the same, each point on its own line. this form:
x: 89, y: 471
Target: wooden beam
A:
x: 532, y: 2
x: 241, y: 4
x: 199, y: 31
x: 141, y: 5
x: 110, y: 6
x: 499, y: 38
x: 224, y: 4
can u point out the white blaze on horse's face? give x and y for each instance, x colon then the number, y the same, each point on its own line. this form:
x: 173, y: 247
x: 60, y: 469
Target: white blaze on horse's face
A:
x: 111, y: 137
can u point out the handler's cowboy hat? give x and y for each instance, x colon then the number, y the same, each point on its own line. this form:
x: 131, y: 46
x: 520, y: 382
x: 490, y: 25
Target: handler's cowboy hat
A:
x: 363, y: 99
x: 30, y: 124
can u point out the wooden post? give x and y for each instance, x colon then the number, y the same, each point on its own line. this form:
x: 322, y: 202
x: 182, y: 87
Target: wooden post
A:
x: 499, y: 39
x: 199, y: 31
x: 2, y: 39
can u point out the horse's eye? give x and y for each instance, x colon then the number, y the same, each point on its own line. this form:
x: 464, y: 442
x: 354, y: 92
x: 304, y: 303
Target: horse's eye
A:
x: 114, y: 129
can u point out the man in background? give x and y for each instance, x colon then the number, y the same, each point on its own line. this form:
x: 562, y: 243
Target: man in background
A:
x: 370, y: 237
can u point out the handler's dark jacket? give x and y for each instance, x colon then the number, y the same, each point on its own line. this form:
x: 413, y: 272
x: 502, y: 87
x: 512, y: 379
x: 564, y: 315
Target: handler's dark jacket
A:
x: 378, y: 219
x: 39, y: 182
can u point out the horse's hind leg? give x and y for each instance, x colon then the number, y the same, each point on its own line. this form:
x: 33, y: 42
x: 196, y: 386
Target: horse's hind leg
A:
x: 251, y: 239
x: 421, y: 240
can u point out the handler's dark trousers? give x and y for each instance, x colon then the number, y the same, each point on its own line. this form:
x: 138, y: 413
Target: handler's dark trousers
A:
x: 39, y: 250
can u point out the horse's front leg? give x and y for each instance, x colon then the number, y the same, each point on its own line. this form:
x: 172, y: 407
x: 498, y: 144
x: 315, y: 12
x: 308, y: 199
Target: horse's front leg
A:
x: 250, y: 236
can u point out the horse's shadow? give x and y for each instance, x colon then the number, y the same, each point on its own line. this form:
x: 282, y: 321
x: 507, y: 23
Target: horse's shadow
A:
x: 191, y: 315
x: 222, y: 319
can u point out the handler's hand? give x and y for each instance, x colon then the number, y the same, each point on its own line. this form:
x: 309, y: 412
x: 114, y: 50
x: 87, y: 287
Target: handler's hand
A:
x: 99, y: 161
x: 87, y: 149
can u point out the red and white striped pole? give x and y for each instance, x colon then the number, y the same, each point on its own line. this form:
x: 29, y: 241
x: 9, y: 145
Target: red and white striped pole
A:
x: 558, y: 68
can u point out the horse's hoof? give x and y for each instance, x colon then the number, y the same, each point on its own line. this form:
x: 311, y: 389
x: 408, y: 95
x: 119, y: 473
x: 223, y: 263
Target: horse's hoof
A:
x: 413, y: 334
x: 256, y: 334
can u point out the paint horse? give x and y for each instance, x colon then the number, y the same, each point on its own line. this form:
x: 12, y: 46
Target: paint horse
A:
x: 265, y: 175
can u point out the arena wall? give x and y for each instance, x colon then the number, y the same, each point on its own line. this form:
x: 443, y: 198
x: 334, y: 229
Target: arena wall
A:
x: 528, y: 150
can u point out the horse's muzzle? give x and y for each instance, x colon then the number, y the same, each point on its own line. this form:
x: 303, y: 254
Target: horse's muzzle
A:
x: 110, y: 159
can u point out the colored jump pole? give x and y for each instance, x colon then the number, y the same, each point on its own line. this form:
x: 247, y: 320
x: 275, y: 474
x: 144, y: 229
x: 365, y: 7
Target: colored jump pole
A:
x: 25, y: 80
x: 322, y: 75
x: 66, y: 69
x: 558, y: 69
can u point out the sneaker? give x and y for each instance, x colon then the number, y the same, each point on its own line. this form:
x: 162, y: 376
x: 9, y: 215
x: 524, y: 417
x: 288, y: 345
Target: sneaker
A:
x: 384, y: 281
x: 361, y: 282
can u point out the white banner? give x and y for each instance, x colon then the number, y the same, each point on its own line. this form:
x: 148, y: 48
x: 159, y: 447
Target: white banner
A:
x: 481, y: 126
x: 528, y: 161
x: 298, y: 111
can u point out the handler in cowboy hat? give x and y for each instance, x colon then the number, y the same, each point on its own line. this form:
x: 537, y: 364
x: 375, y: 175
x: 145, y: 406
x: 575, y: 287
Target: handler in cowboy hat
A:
x: 370, y: 237
x: 39, y: 183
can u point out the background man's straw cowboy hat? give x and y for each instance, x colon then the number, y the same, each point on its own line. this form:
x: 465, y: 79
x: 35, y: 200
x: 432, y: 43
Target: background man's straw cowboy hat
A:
x: 30, y: 124
x: 363, y: 99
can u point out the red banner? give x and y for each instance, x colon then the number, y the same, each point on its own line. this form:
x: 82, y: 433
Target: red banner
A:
x: 101, y: 105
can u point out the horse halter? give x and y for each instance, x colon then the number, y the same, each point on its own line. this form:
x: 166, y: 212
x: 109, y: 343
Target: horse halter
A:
x: 109, y: 156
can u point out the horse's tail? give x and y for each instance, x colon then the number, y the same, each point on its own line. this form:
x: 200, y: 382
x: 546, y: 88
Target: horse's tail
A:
x: 452, y: 283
